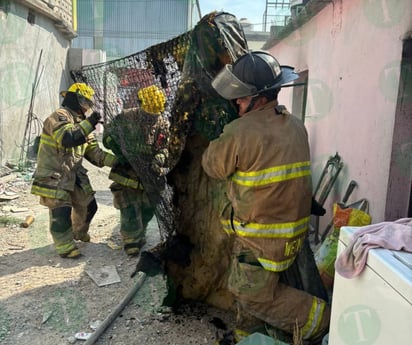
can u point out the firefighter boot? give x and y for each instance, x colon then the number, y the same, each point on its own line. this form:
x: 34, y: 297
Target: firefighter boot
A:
x: 81, y: 236
x: 61, y: 231
x: 73, y: 254
x: 132, y: 230
x: 132, y: 246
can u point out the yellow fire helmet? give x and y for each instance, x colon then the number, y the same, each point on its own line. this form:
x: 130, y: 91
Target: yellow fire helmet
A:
x: 152, y: 99
x: 81, y: 89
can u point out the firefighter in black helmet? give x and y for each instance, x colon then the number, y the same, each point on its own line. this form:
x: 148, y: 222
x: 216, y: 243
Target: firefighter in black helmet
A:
x: 60, y: 179
x: 264, y: 157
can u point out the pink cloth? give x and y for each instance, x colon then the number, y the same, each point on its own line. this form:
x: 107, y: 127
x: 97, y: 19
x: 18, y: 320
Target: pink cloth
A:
x: 395, y: 235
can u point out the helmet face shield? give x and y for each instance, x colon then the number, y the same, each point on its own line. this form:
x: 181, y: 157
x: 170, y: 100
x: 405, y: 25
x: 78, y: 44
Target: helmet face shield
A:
x: 230, y: 87
x: 84, y: 102
x: 288, y: 75
x: 253, y: 73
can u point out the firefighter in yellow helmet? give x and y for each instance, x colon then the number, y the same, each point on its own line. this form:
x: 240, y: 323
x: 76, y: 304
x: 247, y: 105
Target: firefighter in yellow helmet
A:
x: 60, y: 179
x: 145, y: 132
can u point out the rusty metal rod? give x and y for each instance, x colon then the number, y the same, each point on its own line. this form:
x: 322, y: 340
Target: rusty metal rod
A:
x: 112, y: 316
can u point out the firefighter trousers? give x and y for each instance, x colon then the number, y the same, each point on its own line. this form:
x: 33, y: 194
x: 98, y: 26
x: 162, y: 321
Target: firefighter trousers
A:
x: 259, y: 293
x: 70, y: 218
x: 135, y: 213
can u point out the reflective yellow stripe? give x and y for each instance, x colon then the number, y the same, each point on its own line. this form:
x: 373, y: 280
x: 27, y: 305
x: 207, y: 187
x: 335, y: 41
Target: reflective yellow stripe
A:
x: 124, y: 181
x: 282, y: 230
x: 272, y: 175
x: 65, y: 248
x: 109, y: 159
x: 276, y: 266
x: 227, y: 227
x: 92, y: 144
x: 277, y: 230
x: 87, y: 126
x: 314, y: 318
x: 49, y: 141
x: 50, y: 193
x: 240, y: 334
x: 79, y: 150
x: 58, y: 134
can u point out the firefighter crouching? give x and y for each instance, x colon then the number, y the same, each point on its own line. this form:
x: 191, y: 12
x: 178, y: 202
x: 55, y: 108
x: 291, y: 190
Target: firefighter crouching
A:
x: 264, y: 157
x: 60, y: 179
x: 144, y: 131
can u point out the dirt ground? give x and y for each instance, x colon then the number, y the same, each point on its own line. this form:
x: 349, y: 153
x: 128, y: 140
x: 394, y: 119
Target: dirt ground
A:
x: 46, y: 300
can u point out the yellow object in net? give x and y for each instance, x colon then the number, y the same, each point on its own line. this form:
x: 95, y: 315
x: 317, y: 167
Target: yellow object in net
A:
x: 152, y: 99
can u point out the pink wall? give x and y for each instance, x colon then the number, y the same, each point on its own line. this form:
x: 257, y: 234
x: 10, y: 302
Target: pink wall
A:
x: 352, y: 50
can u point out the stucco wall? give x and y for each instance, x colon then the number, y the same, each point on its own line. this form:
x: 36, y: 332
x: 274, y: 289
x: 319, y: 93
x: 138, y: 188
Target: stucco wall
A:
x: 21, y: 44
x: 352, y: 50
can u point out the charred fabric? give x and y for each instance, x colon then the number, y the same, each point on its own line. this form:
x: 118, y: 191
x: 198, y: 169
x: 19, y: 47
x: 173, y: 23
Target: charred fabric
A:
x: 192, y: 249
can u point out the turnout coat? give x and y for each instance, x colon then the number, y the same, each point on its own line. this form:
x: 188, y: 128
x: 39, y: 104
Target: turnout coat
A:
x: 264, y: 156
x: 59, y: 168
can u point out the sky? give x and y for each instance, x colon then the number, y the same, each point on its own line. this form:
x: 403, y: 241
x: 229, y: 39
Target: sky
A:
x: 251, y: 9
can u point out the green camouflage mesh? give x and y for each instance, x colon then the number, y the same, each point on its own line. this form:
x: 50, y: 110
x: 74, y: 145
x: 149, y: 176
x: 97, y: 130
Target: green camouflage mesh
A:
x: 183, y: 68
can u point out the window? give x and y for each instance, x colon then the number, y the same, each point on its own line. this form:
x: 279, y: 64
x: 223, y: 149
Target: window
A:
x: 300, y: 92
x: 399, y: 197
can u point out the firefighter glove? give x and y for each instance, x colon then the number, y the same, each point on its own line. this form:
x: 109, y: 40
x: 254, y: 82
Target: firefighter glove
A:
x: 160, y: 159
x: 158, y: 164
x: 95, y: 118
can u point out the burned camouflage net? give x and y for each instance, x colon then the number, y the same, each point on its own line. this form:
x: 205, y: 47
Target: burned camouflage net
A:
x: 183, y: 68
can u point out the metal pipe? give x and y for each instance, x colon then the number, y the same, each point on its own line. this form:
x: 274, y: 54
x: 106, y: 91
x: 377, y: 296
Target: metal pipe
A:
x: 112, y: 316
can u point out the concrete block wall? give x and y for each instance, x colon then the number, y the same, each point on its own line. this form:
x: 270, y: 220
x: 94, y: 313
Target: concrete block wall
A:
x: 33, y: 69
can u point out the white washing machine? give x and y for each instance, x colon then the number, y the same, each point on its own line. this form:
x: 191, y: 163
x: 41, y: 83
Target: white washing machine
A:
x: 374, y: 308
